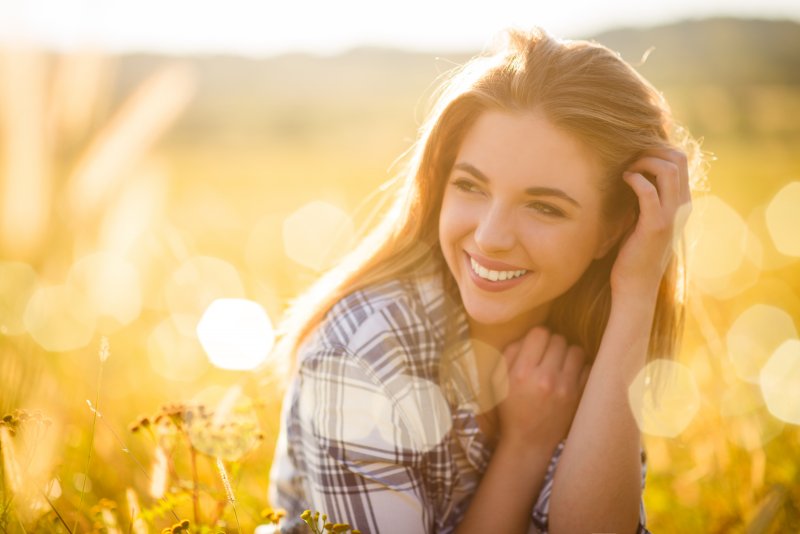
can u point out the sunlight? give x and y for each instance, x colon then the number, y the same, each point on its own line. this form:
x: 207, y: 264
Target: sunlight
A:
x: 370, y: 416
x: 783, y: 219
x: 317, y: 234
x: 236, y: 334
x: 780, y: 382
x: 177, y: 205
x: 418, y: 422
x: 754, y: 336
x: 196, y: 284
x: 60, y: 318
x: 427, y: 415
x: 744, y: 277
x: 143, y: 119
x: 664, y: 398
x: 112, y: 287
x: 140, y: 204
x: 175, y: 356
x: 717, y: 240
x: 772, y: 257
x: 17, y: 284
x: 25, y: 204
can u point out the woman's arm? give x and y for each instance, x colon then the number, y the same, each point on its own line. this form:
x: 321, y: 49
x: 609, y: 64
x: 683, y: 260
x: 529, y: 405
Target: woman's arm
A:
x: 597, y: 486
x: 540, y: 391
x: 508, y: 490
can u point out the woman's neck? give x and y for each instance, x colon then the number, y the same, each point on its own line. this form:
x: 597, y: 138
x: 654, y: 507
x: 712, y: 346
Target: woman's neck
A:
x: 500, y: 336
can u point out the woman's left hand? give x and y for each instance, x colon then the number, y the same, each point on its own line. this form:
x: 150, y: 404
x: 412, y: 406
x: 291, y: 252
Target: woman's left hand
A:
x: 664, y: 207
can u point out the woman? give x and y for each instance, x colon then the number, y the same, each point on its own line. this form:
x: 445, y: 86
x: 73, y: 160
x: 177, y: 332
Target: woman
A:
x: 466, y: 369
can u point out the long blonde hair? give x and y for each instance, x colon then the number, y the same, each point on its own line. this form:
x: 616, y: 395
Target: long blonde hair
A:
x: 581, y: 87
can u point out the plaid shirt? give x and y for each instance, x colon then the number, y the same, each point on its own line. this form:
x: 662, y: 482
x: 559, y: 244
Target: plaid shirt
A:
x: 375, y: 432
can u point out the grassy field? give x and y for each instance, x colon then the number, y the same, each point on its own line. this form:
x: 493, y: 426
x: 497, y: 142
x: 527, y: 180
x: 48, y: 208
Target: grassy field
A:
x: 136, y: 191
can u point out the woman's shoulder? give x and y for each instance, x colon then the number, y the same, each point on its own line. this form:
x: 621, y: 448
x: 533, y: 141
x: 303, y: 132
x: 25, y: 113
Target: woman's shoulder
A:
x: 402, y: 315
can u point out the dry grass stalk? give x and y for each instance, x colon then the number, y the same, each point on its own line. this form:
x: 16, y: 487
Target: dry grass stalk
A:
x: 25, y: 188
x: 126, y: 139
x: 138, y: 525
x: 159, y: 476
x: 13, y: 474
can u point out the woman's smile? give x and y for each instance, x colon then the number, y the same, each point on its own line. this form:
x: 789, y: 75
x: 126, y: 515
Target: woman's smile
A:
x: 523, y: 191
x: 501, y: 278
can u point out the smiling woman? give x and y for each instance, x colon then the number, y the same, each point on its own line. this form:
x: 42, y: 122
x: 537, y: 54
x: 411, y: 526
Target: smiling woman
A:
x: 491, y: 229
x: 467, y: 368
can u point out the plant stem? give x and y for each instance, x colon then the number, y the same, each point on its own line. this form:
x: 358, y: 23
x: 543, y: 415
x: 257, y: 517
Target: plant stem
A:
x: 195, y: 483
x: 52, y: 506
x: 223, y: 473
x: 91, y: 440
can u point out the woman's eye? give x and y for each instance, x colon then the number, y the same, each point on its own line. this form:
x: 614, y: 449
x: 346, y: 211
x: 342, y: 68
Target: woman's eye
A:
x: 546, y: 209
x: 466, y: 186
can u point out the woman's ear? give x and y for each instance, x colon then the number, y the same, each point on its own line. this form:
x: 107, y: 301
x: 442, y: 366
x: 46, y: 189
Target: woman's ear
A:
x: 616, y: 231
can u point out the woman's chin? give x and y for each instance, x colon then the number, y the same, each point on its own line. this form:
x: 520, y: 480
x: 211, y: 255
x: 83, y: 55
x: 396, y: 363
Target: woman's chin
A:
x: 488, y: 316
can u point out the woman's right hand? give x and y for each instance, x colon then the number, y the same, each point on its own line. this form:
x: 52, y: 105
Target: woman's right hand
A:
x: 538, y: 389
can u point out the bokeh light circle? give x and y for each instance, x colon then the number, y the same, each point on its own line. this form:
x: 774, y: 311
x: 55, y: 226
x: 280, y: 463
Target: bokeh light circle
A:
x: 236, y: 334
x: 111, y: 285
x: 426, y: 413
x: 743, y: 278
x: 60, y: 318
x: 174, y: 355
x: 196, y: 284
x: 264, y: 251
x: 780, y: 382
x: 664, y: 398
x: 772, y: 257
x: 783, y: 219
x: 717, y: 239
x: 416, y: 419
x: 317, y: 234
x: 754, y: 336
x: 17, y: 283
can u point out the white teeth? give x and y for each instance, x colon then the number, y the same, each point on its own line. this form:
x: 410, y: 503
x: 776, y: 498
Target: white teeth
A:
x: 494, y: 276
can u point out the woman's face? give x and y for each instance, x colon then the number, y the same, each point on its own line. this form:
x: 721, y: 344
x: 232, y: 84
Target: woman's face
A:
x: 521, y: 219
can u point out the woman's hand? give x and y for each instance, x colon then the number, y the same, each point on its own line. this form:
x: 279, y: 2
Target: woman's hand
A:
x: 540, y: 386
x: 664, y: 207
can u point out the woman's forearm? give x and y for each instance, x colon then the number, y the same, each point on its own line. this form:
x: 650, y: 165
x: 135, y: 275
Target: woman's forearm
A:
x: 508, y: 491
x: 597, y: 485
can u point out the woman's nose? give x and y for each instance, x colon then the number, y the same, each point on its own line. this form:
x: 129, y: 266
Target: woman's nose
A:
x: 495, y: 230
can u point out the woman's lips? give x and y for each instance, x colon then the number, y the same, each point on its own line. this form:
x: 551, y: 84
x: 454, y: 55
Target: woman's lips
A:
x: 488, y: 285
x: 494, y: 265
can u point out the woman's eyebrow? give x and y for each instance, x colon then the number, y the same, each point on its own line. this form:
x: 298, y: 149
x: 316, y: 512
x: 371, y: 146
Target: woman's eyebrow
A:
x: 532, y: 191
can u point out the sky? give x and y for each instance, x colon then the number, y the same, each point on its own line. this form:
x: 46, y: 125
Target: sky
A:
x: 265, y: 27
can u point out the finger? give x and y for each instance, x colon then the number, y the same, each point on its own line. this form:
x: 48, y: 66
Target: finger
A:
x: 531, y: 350
x: 679, y: 158
x: 501, y: 371
x: 584, y: 376
x: 554, y: 354
x: 681, y: 162
x: 646, y: 192
x: 574, y: 362
x: 510, y: 354
x: 667, y: 175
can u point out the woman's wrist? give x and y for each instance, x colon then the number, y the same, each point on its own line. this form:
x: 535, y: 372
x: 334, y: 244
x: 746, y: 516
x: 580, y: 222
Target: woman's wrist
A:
x: 634, y: 302
x: 529, y: 457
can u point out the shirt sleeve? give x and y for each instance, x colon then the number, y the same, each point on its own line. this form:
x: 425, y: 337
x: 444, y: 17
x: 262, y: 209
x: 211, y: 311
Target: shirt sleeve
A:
x: 361, y: 464
x: 539, y: 517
